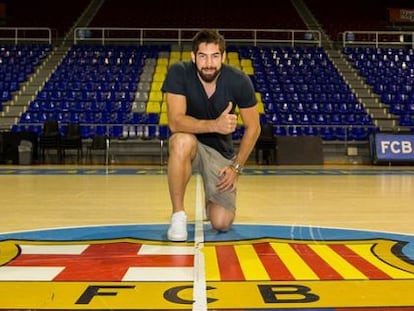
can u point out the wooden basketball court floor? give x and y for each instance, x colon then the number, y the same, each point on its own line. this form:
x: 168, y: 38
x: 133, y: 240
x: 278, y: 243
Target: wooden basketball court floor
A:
x: 359, y: 197
x: 362, y: 198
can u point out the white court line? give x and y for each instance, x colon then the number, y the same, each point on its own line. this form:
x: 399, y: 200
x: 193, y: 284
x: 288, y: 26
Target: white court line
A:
x: 199, y: 288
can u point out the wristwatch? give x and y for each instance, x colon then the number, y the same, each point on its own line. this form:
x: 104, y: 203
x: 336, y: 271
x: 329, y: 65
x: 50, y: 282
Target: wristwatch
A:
x: 237, y: 167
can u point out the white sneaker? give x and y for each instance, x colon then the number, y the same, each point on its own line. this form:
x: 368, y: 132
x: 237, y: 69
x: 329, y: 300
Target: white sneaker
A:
x: 177, y: 231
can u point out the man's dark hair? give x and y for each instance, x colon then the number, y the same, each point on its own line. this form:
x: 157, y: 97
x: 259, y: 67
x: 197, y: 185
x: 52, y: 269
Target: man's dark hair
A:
x: 208, y: 36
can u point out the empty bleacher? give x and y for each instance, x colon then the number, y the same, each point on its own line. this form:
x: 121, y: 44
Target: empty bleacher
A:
x: 114, y: 90
x: 304, y: 94
x: 17, y: 63
x: 95, y: 86
x: 390, y: 72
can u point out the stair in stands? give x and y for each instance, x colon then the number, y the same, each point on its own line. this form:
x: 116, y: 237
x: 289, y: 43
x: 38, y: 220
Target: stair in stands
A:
x: 14, y: 108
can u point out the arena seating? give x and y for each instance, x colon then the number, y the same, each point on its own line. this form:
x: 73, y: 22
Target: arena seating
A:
x: 390, y: 71
x: 17, y: 62
x: 95, y: 86
x: 116, y: 90
x: 303, y: 94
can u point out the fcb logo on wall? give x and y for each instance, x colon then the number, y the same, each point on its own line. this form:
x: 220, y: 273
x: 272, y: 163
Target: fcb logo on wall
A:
x: 258, y: 273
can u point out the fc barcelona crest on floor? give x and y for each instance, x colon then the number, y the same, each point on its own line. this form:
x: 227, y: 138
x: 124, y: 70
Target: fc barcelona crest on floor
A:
x: 334, y: 269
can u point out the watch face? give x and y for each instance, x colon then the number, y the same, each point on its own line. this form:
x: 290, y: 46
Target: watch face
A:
x: 238, y: 167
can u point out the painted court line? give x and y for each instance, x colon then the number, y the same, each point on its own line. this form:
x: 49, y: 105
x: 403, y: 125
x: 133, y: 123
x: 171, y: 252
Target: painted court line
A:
x: 199, y: 290
x: 277, y: 171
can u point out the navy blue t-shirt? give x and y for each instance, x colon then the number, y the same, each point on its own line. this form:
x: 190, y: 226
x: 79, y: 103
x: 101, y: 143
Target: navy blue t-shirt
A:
x: 232, y: 85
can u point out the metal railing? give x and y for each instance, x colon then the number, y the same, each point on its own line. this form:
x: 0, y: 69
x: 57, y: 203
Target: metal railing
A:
x: 18, y: 35
x: 181, y: 36
x: 378, y: 38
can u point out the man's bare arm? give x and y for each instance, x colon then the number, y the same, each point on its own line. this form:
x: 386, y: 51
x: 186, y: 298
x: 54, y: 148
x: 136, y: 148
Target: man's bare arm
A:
x: 180, y: 122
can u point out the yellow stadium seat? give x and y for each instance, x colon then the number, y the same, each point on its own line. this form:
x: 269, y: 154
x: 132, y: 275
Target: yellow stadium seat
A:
x: 153, y: 107
x: 186, y: 55
x: 155, y: 96
x: 239, y: 120
x: 175, y: 55
x: 163, y: 118
x: 156, y: 86
x: 232, y: 55
x: 162, y: 61
x: 161, y: 69
x: 246, y: 62
x: 234, y: 62
x: 248, y: 70
x: 260, y: 107
x: 163, y: 106
x: 159, y: 76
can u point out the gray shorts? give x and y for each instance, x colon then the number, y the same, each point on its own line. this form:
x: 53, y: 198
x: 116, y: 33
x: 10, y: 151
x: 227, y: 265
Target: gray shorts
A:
x: 208, y: 162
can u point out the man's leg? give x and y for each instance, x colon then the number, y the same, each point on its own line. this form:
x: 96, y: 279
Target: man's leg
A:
x: 220, y: 206
x: 182, y: 150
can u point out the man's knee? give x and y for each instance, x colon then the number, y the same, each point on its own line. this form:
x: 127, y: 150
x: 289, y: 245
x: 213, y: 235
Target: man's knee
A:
x: 221, y: 226
x: 182, y: 143
x: 221, y: 219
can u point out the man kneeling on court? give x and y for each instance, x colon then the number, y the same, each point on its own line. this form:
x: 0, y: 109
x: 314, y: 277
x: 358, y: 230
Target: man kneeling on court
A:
x: 202, y: 95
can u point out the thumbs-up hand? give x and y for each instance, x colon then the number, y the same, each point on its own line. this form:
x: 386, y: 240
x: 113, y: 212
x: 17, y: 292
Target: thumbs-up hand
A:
x: 226, y: 122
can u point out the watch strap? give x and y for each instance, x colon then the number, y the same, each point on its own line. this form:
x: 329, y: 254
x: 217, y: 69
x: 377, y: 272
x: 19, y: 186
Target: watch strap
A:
x: 237, y: 167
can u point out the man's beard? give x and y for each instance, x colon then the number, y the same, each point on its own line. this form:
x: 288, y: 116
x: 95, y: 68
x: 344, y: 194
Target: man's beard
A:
x: 208, y: 77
